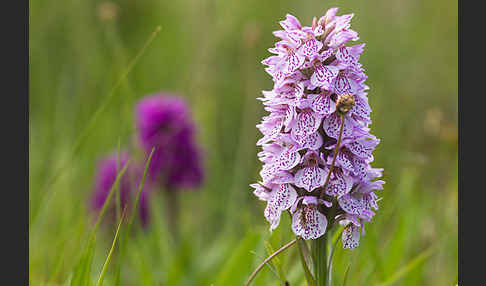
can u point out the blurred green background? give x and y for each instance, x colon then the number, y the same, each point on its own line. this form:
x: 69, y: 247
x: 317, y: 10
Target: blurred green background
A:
x: 210, y: 52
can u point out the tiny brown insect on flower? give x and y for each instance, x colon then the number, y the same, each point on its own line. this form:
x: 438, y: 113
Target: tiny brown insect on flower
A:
x: 344, y: 103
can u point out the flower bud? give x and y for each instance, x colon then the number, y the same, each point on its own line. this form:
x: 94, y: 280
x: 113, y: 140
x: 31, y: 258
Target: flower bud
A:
x: 344, y: 103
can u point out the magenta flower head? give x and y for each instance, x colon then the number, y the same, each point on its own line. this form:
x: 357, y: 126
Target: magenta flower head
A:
x: 129, y: 185
x: 316, y: 144
x: 164, y: 122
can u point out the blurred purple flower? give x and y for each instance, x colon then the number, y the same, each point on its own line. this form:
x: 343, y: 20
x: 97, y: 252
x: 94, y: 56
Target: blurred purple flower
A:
x: 106, y: 176
x: 164, y: 122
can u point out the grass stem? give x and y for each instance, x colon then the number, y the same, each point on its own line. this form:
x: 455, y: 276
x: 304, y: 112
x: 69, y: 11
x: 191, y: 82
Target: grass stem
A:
x: 253, y: 275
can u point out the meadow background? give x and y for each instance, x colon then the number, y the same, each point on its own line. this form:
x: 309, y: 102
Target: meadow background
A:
x: 210, y: 51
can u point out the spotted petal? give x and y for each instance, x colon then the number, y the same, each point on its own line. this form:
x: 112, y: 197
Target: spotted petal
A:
x: 306, y: 124
x: 278, y: 77
x: 323, y: 76
x: 361, y: 107
x: 344, y: 85
x: 310, y: 48
x: 293, y: 61
x: 360, y: 167
x: 332, y: 126
x: 323, y: 105
x: 309, y: 223
x: 260, y: 192
x: 290, y: 115
x: 351, y: 205
x: 343, y: 55
x: 288, y: 159
x: 363, y: 148
x: 310, y: 178
x: 343, y: 160
x: 272, y: 214
x: 313, y: 141
x: 284, y: 197
x: 269, y: 171
x: 350, y: 236
x: 270, y: 128
x: 339, y: 184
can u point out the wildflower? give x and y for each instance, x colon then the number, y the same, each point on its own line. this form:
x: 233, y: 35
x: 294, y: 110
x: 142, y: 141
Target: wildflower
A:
x: 164, y: 122
x: 107, y: 172
x: 317, y: 148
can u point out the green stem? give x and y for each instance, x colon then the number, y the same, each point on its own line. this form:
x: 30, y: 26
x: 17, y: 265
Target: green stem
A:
x: 306, y: 263
x: 319, y: 257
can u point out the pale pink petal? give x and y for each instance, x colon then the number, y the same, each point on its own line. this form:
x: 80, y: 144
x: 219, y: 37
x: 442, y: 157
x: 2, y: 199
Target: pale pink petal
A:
x: 283, y: 178
x: 362, y: 148
x: 310, y: 178
x: 293, y: 61
x: 330, y: 14
x: 343, y: 160
x: 360, y: 167
x: 339, y: 184
x: 306, y: 124
x: 269, y: 171
x: 284, y: 197
x: 309, y: 223
x: 272, y: 60
x: 344, y: 55
x: 290, y: 23
x: 351, y: 205
x: 323, y: 76
x: 323, y: 104
x: 260, y: 192
x: 310, y: 48
x: 342, y: 37
x: 288, y: 159
x: 356, y: 50
x: 344, y: 85
x: 295, y: 37
x: 272, y: 214
x: 350, y: 236
x: 361, y: 107
x: 332, y: 126
x: 290, y: 115
x: 313, y: 141
x: 345, y: 219
x: 311, y: 200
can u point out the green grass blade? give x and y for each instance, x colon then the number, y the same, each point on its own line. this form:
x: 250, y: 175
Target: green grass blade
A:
x: 133, y: 214
x: 335, y: 239
x: 82, y: 269
x: 409, y: 267
x: 118, y: 199
x: 108, y: 199
x: 83, y: 266
x: 275, y: 262
x: 125, y: 233
x: 306, y: 261
x: 346, y: 274
x: 110, y: 253
x: 269, y: 265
